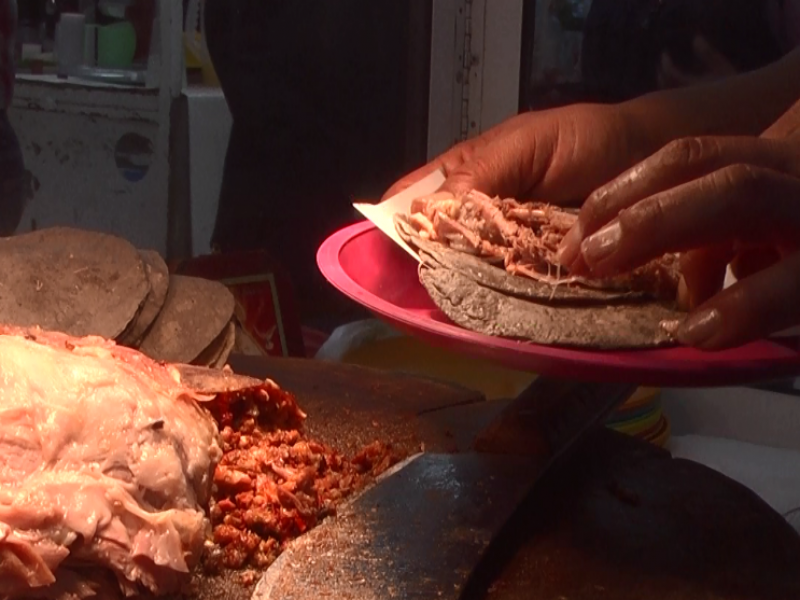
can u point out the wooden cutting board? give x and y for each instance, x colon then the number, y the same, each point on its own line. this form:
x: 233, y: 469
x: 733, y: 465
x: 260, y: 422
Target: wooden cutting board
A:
x: 621, y: 519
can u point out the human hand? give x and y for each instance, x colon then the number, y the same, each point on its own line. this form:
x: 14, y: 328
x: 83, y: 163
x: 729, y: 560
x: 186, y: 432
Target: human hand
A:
x: 717, y: 201
x: 714, y: 66
x: 558, y: 156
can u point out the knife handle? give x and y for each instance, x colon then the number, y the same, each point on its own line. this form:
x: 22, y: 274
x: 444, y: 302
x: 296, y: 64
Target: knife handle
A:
x: 551, y: 415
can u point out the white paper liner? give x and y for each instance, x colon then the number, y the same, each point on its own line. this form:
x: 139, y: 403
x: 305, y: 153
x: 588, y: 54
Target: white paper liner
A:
x: 382, y: 215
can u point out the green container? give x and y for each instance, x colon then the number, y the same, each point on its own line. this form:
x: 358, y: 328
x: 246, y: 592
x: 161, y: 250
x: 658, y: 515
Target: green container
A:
x: 116, y: 45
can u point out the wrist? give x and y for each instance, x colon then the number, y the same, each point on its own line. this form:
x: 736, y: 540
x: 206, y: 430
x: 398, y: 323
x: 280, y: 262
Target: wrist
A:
x: 744, y: 104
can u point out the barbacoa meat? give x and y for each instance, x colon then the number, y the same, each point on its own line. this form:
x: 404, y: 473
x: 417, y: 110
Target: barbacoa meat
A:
x: 115, y: 480
x: 106, y: 465
x: 524, y: 238
x: 274, y: 483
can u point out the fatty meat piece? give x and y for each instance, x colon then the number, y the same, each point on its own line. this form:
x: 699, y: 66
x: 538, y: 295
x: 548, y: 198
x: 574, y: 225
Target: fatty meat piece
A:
x: 106, y: 461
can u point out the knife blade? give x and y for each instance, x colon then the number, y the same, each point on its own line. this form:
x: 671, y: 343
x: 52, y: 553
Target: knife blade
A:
x: 421, y: 530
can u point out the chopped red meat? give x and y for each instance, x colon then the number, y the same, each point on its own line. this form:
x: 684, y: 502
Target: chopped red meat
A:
x: 273, y: 483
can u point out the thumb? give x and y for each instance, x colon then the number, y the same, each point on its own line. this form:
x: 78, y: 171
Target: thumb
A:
x: 504, y: 167
x: 485, y: 171
x: 410, y: 179
x: 463, y: 181
x: 453, y: 160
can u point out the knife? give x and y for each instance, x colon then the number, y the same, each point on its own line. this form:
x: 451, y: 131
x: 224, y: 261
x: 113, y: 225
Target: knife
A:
x: 423, y: 528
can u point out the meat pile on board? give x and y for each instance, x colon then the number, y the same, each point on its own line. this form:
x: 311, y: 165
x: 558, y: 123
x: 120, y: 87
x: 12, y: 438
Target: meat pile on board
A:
x: 274, y: 483
x: 524, y: 239
x: 110, y: 461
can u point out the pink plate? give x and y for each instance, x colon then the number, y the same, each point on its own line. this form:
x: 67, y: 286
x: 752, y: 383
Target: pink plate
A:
x: 365, y: 265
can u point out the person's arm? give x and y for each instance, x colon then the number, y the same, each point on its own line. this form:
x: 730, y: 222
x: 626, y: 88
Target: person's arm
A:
x: 745, y: 104
x: 563, y: 154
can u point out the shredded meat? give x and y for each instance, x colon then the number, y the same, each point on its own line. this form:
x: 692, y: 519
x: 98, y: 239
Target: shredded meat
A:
x: 525, y: 237
x: 106, y: 465
x: 273, y: 482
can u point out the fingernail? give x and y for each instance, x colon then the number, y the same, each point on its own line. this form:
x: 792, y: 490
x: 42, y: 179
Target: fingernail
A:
x: 599, y: 246
x: 570, y: 247
x: 700, y: 328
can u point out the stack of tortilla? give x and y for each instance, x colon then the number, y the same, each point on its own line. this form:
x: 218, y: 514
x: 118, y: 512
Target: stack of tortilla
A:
x: 485, y: 298
x: 89, y: 283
